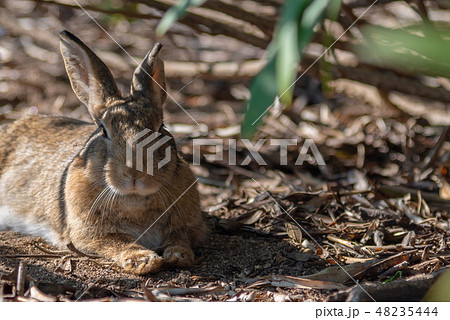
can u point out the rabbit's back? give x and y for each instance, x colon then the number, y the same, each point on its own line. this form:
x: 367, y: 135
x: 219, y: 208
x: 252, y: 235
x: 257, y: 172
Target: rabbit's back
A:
x: 35, y: 153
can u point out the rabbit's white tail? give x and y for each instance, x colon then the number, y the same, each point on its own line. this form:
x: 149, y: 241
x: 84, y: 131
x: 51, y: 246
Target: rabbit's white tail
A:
x: 9, y: 220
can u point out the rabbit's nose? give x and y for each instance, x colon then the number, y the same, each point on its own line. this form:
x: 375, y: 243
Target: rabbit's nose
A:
x: 133, y: 173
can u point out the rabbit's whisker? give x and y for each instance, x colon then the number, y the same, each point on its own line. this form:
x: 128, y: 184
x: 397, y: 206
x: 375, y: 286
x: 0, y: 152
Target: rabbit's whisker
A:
x: 105, y: 203
x: 162, y: 197
x: 94, y: 205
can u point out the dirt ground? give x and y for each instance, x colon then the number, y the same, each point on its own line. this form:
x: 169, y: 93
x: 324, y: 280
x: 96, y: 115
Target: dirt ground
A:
x: 229, y: 261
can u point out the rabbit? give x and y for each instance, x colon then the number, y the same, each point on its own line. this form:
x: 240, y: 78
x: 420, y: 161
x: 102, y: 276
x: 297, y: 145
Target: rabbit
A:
x: 69, y: 181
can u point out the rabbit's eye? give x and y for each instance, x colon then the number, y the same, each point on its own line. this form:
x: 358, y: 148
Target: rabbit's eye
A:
x: 105, y: 133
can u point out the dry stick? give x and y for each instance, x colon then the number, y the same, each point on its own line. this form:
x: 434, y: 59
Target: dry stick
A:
x: 421, y: 266
x: 329, y: 195
x: 265, y: 24
x: 163, y: 297
x: 24, y: 299
x: 400, y: 191
x: 432, y: 155
x: 394, y: 269
x: 389, y: 81
x: 214, y: 70
x: 425, y: 254
x: 37, y: 294
x: 345, y: 243
x: 215, y: 27
x: 383, y: 79
x: 393, y: 247
x: 72, y: 248
x: 343, y: 247
x: 126, y: 13
x: 43, y: 256
x: 51, y: 252
x: 188, y: 291
x: 336, y: 197
x: 421, y: 10
x: 21, y: 277
x: 366, y: 3
x: 273, y: 3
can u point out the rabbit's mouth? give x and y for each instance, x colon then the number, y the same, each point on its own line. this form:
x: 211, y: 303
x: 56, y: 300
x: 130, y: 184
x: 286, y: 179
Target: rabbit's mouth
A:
x: 128, y: 181
x: 139, y: 187
x: 130, y: 185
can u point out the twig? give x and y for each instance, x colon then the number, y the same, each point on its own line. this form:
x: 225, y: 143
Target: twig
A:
x: 50, y: 252
x: 43, y: 256
x: 366, y: 3
x: 421, y: 10
x: 214, y: 27
x: 21, y: 277
x: 431, y: 156
x: 390, y: 81
x: 400, y: 191
x: 188, y: 291
x: 385, y: 80
x: 263, y: 23
x: 72, y: 248
x: 126, y: 13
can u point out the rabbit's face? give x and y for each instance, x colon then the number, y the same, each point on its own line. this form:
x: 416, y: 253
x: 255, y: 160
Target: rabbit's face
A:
x: 141, y: 153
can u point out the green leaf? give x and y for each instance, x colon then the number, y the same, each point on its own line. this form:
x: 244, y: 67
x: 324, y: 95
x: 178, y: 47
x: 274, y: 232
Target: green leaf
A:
x: 263, y: 92
x: 416, y: 49
x: 175, y: 13
x: 295, y: 32
x: 333, y: 8
x: 287, y: 43
x: 397, y: 275
x: 313, y: 15
x: 292, y: 34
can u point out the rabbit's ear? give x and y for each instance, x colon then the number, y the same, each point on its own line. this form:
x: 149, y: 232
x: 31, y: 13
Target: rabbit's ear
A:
x: 90, y: 78
x: 149, y: 80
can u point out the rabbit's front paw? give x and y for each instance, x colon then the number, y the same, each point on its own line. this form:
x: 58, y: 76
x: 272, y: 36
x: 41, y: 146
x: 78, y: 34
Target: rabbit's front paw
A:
x: 178, y: 256
x: 141, y: 261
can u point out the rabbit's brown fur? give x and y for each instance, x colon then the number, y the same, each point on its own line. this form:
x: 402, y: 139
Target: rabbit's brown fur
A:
x: 67, y: 180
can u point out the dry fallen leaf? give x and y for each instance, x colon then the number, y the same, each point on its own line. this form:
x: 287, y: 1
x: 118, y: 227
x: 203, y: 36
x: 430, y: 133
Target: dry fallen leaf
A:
x: 381, y: 266
x: 338, y: 274
x: 245, y: 296
x: 37, y: 294
x: 294, y: 232
x: 296, y: 282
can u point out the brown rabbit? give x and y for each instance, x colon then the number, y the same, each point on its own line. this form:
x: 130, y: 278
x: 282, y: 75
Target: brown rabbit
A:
x: 69, y: 181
